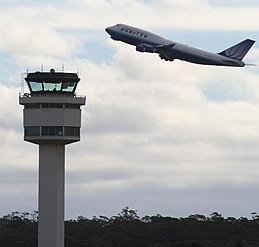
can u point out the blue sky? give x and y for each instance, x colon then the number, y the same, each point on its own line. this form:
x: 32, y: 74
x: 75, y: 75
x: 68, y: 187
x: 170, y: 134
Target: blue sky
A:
x: 169, y: 138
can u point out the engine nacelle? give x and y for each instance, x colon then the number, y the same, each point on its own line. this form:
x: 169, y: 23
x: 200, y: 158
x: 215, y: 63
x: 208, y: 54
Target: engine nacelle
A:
x: 145, y: 48
x: 166, y: 58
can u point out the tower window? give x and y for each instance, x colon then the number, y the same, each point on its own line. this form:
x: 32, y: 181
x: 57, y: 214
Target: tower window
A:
x: 72, y: 131
x: 52, y: 105
x: 27, y: 106
x: 72, y: 106
x: 32, y: 131
x: 52, y: 130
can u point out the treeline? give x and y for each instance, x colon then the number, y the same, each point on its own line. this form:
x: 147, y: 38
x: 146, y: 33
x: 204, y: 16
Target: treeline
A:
x: 127, y: 229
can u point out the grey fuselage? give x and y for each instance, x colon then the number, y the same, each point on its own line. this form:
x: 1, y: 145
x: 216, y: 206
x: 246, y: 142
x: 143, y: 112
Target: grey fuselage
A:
x: 169, y: 50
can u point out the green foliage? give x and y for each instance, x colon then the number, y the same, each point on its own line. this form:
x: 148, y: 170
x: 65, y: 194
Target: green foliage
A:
x: 194, y: 244
x: 127, y: 229
x: 18, y: 229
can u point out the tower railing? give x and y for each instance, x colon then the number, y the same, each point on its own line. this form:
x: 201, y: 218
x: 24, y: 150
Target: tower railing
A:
x: 22, y: 94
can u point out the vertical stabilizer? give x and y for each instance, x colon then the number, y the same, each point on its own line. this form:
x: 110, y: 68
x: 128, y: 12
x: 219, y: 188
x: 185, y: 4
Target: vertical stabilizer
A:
x: 239, y: 50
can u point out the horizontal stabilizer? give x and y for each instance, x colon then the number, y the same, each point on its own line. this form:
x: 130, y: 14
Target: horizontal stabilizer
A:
x: 239, y: 50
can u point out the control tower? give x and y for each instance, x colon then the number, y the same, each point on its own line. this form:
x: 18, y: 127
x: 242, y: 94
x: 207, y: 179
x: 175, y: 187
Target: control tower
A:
x: 51, y: 119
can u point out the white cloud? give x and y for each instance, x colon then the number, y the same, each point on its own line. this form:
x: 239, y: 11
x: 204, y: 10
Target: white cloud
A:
x: 153, y: 131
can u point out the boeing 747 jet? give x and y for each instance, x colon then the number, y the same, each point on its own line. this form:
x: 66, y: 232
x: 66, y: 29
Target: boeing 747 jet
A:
x: 168, y: 50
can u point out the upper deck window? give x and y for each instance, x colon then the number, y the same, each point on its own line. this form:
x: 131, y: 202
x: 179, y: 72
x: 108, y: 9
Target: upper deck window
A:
x: 134, y: 32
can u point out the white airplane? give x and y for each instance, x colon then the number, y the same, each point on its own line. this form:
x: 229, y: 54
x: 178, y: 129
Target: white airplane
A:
x: 169, y: 50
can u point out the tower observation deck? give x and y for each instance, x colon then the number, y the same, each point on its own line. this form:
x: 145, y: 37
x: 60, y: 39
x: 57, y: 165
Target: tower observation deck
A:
x: 51, y: 119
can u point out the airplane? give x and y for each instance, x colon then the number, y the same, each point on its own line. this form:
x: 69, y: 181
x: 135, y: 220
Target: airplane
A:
x: 168, y: 50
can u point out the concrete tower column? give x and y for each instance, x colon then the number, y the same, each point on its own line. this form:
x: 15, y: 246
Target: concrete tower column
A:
x: 51, y: 195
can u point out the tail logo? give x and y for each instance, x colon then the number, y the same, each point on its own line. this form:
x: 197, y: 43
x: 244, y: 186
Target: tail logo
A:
x: 239, y: 50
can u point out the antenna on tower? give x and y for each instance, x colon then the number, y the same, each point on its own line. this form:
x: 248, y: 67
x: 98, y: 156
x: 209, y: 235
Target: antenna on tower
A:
x: 22, y: 83
x: 42, y: 67
x: 63, y: 67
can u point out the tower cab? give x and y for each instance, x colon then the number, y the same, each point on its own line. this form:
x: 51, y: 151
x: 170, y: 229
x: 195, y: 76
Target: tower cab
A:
x: 52, y: 82
x: 52, y: 111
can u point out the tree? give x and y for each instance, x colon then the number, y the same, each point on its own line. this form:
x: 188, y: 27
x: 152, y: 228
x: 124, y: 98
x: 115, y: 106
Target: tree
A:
x: 216, y: 217
x: 194, y: 244
x: 128, y: 214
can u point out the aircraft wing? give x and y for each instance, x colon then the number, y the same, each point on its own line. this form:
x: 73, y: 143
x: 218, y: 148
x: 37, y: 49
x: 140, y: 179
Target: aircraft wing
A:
x: 165, y: 51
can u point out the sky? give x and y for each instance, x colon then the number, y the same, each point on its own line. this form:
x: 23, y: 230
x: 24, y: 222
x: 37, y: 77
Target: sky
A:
x: 169, y: 138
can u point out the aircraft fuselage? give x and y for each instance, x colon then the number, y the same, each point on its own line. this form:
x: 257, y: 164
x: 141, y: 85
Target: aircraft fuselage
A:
x: 145, y: 41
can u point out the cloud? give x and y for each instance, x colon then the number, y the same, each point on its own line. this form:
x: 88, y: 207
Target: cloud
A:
x: 172, y: 138
x: 30, y: 41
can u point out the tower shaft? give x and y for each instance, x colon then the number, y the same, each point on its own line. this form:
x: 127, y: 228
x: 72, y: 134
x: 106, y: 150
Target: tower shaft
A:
x: 51, y: 195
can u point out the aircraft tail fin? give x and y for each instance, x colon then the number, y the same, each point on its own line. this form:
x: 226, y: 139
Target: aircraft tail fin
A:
x: 239, y: 50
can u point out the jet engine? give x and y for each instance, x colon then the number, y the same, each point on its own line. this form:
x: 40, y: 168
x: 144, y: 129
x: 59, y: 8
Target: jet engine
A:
x: 166, y: 58
x: 145, y: 48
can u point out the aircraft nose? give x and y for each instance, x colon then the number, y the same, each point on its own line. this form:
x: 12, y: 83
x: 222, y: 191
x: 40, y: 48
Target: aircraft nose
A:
x: 108, y: 30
